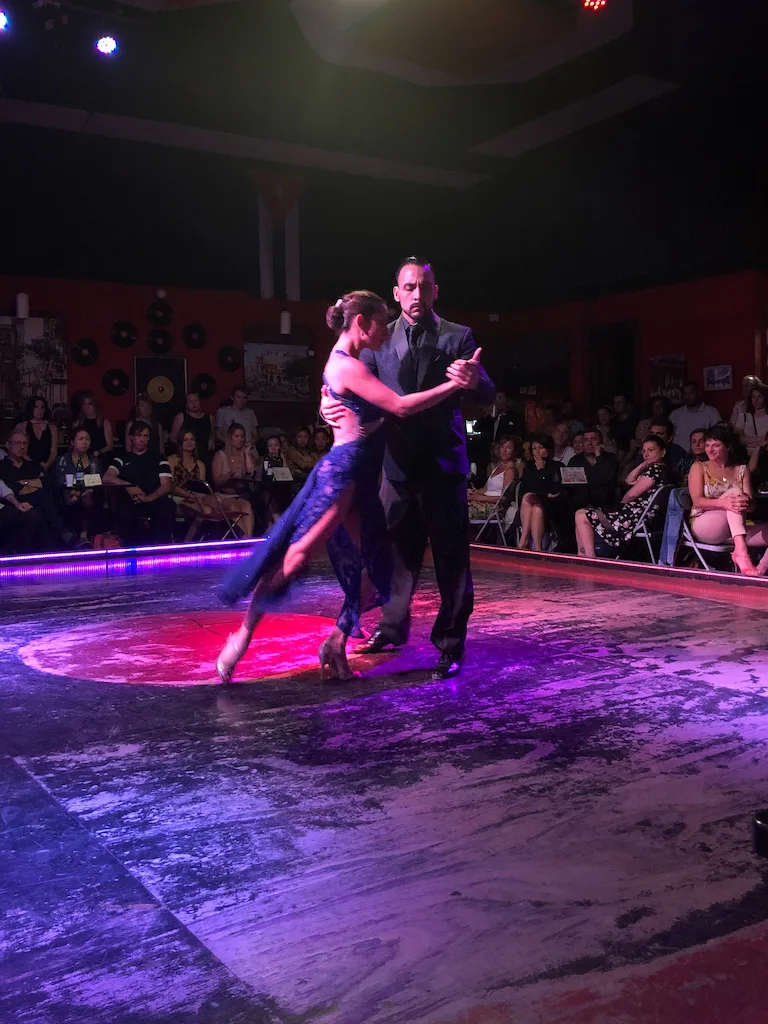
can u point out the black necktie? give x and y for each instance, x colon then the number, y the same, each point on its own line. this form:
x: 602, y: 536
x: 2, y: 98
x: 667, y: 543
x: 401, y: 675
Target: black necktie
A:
x: 413, y: 333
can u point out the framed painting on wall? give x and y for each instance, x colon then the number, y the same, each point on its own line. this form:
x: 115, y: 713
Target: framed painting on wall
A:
x: 718, y: 378
x: 277, y: 372
x: 33, y: 361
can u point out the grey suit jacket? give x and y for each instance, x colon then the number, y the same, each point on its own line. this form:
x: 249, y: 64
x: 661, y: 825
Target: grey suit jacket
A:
x: 417, y: 445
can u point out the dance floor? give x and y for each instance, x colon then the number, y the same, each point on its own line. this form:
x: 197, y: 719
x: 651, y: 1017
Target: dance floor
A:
x: 561, y: 835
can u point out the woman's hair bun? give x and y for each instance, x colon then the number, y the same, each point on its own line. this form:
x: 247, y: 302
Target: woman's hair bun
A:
x: 334, y: 317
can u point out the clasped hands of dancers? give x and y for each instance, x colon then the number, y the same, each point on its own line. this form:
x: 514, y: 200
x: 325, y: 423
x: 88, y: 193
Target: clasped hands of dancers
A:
x: 391, y: 391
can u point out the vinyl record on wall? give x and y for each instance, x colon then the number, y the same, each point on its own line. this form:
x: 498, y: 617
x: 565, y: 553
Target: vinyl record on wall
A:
x: 229, y: 358
x: 159, y: 341
x: 159, y: 313
x: 85, y: 352
x: 161, y: 390
x: 123, y: 334
x: 195, y: 336
x: 165, y: 381
x: 115, y: 382
x: 204, y: 385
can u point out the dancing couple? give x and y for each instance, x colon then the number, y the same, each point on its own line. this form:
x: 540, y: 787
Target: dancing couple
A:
x: 392, y: 390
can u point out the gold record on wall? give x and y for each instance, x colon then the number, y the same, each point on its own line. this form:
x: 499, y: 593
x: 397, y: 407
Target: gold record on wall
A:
x: 160, y: 389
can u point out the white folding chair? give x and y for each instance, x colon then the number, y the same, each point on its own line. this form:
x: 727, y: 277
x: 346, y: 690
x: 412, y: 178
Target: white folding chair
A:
x: 500, y: 515
x: 687, y: 540
x: 654, y: 502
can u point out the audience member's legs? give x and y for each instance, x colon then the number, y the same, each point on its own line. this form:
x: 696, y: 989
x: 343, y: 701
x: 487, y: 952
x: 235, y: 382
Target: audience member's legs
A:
x: 233, y: 505
x: 538, y: 524
x: 23, y: 533
x: 717, y: 526
x: 45, y: 503
x: 161, y: 514
x: 527, y: 505
x: 585, y: 534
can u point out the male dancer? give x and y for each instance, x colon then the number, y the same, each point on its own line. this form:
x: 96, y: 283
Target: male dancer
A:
x: 424, y: 485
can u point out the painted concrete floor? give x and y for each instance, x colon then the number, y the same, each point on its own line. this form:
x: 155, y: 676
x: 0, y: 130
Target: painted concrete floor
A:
x: 559, y: 836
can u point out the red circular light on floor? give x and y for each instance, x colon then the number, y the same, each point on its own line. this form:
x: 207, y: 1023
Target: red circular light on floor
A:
x: 179, y: 650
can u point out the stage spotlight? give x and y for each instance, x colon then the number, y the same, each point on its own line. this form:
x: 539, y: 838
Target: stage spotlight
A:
x: 595, y: 5
x: 3, y: 21
x: 107, y: 45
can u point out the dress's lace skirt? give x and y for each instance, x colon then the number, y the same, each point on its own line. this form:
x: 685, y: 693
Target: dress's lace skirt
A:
x: 353, y: 463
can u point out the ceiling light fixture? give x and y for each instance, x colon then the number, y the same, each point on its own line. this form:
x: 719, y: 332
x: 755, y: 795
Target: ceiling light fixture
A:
x: 107, y: 45
x: 3, y: 21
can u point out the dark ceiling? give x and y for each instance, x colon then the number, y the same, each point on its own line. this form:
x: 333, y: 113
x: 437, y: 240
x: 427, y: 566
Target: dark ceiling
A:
x: 530, y: 159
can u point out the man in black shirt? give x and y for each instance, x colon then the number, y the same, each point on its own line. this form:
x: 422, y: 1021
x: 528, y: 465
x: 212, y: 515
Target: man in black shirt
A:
x: 145, y: 511
x: 25, y: 479
x: 602, y: 472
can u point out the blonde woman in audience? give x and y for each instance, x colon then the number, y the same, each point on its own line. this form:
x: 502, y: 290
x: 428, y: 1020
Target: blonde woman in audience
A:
x: 721, y: 492
x: 483, y: 500
x: 233, y: 467
x: 90, y: 418
x: 740, y: 407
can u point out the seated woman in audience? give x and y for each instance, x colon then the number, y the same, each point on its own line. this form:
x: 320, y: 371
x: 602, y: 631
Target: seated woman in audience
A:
x: 563, y: 451
x: 658, y: 406
x: 577, y: 443
x: 145, y: 410
x: 541, y: 495
x: 752, y: 425
x: 233, y: 467
x: 301, y: 457
x: 187, y: 470
x: 42, y: 433
x: 483, y: 500
x: 81, y: 502
x: 721, y: 492
x: 99, y: 429
x: 616, y: 528
x: 740, y: 407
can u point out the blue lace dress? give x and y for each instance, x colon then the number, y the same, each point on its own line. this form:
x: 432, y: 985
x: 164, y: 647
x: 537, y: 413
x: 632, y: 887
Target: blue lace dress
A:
x: 356, y: 462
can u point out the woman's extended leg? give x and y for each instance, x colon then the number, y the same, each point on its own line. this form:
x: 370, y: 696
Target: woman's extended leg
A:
x: 526, y: 515
x: 294, y: 562
x: 716, y: 526
x: 585, y: 535
x: 538, y: 524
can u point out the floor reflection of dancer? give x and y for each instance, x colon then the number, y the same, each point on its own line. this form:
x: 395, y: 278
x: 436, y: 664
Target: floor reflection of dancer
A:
x: 339, y: 504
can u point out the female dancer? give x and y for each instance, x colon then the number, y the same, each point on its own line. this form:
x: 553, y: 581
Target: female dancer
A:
x: 339, y: 504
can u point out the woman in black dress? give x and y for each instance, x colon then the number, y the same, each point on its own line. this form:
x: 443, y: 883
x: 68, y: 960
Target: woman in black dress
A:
x: 90, y: 418
x: 541, y: 495
x: 42, y: 433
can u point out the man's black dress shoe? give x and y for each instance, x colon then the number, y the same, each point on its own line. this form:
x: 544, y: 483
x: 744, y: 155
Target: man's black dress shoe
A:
x: 449, y: 664
x: 378, y: 641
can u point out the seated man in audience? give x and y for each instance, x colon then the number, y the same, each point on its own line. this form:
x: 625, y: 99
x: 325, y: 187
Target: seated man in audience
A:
x: 675, y: 457
x: 22, y: 528
x: 693, y: 414
x: 25, y: 479
x: 602, y: 472
x: 145, y: 511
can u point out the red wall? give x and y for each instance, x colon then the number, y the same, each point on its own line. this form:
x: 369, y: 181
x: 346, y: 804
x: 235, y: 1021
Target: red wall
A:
x: 713, y: 320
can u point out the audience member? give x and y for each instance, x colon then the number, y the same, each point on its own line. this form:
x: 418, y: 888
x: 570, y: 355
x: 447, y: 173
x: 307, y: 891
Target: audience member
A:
x: 577, y: 443
x: 238, y: 412
x: 615, y: 528
x: 675, y: 457
x: 43, y: 434
x: 322, y: 441
x: 692, y: 414
x: 234, y: 471
x: 624, y: 425
x: 301, y: 458
x: 81, y: 506
x: 188, y: 472
x: 25, y: 479
x: 605, y: 427
x: 200, y: 423
x: 602, y: 472
x: 145, y: 410
x: 752, y: 425
x: 740, y: 407
x: 88, y: 416
x: 143, y: 482
x: 482, y: 501
x: 500, y: 422
x: 276, y: 493
x: 22, y: 528
x: 541, y: 496
x: 658, y: 407
x: 563, y: 452
x: 721, y: 492
x: 568, y: 415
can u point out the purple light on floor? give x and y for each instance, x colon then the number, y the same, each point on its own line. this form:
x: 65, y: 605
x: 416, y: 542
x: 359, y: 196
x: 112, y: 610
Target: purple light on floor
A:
x: 120, y: 553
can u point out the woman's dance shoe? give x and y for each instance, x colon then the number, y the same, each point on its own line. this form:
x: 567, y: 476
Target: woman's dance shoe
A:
x: 333, y: 663
x: 745, y: 566
x: 227, y: 661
